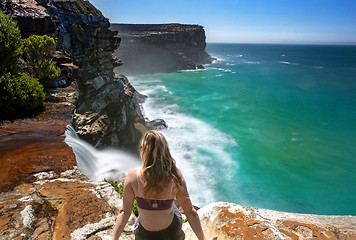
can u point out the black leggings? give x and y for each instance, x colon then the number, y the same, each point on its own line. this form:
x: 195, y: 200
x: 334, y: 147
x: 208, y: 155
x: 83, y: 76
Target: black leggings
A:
x: 173, y: 232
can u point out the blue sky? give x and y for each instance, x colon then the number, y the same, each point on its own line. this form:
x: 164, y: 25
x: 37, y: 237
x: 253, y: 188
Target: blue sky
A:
x: 246, y: 21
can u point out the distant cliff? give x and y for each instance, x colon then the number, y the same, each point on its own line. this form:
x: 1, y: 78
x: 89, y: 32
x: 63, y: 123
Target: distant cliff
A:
x: 150, y: 48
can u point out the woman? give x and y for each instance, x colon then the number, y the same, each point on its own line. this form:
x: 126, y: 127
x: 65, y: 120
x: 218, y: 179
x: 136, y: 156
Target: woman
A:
x: 155, y: 185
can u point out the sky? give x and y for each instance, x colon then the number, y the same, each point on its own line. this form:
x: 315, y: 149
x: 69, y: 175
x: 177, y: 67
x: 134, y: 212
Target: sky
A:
x: 246, y: 21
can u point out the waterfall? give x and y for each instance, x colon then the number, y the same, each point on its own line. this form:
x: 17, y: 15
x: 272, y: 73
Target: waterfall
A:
x: 97, y: 165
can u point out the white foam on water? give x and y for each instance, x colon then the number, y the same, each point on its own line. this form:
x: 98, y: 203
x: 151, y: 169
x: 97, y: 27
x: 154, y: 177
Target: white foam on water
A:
x: 251, y: 62
x: 192, y: 70
x: 288, y: 63
x: 198, y: 148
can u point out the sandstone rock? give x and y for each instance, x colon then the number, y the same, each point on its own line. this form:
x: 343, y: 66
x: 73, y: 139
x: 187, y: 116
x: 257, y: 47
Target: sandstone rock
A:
x: 232, y: 221
x: 36, y: 144
x: 60, y: 206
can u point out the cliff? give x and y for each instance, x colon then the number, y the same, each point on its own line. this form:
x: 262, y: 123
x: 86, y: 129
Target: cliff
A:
x: 107, y: 108
x: 150, y: 48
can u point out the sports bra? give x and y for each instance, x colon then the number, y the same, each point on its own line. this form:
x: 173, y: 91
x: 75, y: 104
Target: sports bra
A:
x: 152, y: 203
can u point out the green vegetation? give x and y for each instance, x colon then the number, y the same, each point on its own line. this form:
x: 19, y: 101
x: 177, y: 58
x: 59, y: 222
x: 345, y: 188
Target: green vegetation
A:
x: 38, y: 52
x: 120, y: 189
x: 10, y: 44
x: 79, y: 6
x: 21, y: 93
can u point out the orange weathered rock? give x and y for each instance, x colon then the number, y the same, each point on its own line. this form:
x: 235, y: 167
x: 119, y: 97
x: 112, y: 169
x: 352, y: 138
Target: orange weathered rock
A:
x: 59, y: 206
x: 232, y: 221
x: 36, y: 144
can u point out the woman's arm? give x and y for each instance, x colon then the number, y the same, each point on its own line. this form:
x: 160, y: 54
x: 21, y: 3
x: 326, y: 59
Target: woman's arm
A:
x: 126, y: 209
x: 192, y: 215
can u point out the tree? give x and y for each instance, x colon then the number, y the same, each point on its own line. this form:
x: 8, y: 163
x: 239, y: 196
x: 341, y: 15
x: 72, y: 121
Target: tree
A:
x: 38, y: 52
x: 10, y: 44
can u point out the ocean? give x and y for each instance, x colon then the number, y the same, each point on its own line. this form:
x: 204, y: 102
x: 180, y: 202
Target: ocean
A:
x: 267, y: 126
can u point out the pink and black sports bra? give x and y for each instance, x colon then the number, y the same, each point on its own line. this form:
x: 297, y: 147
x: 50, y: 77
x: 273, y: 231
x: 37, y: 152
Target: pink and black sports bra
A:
x: 152, y: 203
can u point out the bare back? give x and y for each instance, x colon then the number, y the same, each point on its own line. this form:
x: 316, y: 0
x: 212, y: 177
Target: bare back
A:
x: 154, y: 220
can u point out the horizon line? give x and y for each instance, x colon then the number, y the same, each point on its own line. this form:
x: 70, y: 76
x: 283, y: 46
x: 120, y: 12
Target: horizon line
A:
x: 291, y: 43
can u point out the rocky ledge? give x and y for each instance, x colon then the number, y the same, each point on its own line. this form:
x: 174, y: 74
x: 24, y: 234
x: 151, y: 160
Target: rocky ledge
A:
x: 233, y: 221
x: 36, y: 144
x: 68, y: 206
x: 150, y: 48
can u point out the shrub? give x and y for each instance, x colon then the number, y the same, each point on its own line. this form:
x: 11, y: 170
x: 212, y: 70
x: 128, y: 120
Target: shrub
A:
x: 38, y: 47
x: 21, y: 95
x: 38, y: 52
x: 10, y: 44
x: 120, y: 189
x: 47, y: 72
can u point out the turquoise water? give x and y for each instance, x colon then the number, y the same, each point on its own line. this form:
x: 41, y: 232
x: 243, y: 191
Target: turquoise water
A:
x: 269, y: 126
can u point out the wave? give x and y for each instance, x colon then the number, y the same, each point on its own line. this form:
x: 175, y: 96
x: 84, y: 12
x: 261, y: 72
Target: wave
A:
x: 192, y: 70
x: 252, y: 62
x: 288, y: 63
x: 197, y: 146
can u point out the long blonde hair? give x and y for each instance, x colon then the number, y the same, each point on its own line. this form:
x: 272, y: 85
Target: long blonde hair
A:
x: 159, y: 167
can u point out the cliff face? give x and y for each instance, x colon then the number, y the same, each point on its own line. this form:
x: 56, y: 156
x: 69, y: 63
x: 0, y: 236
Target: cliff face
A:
x: 107, y: 108
x: 150, y: 48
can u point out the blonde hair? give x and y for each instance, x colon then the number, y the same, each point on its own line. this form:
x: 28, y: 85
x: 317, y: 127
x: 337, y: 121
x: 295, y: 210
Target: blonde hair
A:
x: 159, y: 167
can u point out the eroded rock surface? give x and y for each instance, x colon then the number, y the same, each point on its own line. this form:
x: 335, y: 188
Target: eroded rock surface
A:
x: 36, y: 144
x: 60, y: 206
x: 232, y: 221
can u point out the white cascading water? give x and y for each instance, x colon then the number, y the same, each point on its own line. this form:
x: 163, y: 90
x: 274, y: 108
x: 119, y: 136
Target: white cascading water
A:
x: 97, y: 165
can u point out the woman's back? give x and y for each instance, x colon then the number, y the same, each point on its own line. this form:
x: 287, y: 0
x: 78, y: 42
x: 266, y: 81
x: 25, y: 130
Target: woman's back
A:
x: 155, y: 214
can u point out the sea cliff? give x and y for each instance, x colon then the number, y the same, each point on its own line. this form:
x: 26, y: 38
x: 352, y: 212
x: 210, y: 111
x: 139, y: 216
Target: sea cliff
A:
x: 50, y: 199
x: 107, y: 107
x: 151, y: 48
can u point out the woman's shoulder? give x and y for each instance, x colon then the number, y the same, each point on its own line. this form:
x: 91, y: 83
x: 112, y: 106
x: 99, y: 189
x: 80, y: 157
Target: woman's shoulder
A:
x: 132, y: 174
x: 180, y: 175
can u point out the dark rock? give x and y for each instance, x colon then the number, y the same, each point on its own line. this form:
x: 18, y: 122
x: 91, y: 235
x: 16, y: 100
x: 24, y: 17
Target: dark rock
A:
x: 156, y: 124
